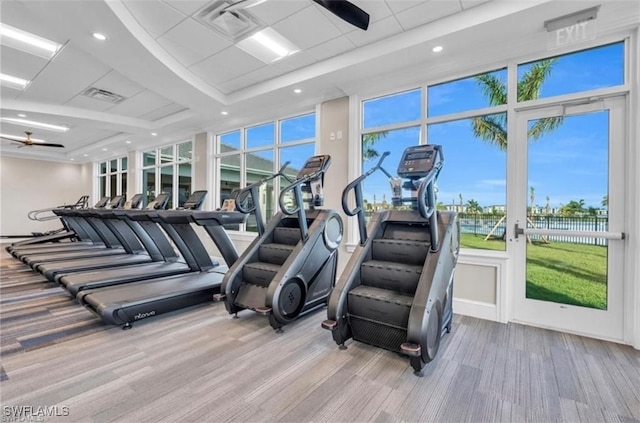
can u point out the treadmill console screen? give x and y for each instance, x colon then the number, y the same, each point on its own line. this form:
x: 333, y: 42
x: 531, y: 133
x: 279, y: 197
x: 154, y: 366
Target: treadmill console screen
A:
x: 418, y: 161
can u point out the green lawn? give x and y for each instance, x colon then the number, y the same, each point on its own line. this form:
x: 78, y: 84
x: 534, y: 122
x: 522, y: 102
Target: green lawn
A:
x: 561, y: 272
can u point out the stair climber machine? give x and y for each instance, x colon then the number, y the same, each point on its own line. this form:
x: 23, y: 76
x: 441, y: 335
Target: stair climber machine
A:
x: 396, y: 291
x: 290, y: 269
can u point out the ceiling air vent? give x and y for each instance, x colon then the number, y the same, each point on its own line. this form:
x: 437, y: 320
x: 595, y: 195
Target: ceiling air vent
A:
x: 233, y: 25
x: 103, y: 95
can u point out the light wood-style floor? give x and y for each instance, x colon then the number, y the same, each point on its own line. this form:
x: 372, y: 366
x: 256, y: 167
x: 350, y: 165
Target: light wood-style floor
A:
x: 201, y: 365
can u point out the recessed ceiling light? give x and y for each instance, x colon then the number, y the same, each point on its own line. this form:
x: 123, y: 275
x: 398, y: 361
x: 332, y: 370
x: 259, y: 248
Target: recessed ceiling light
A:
x: 297, y: 91
x: 13, y: 81
x: 99, y: 36
x: 127, y: 142
x: 72, y: 159
x: 85, y: 155
x: 268, y: 45
x: 27, y: 42
x: 105, y: 149
x: 22, y: 115
x: 437, y: 49
x: 34, y: 124
x: 153, y: 134
x: 224, y: 113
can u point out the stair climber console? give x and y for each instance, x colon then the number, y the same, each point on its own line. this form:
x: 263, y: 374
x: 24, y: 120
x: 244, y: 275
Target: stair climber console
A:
x: 396, y: 291
x: 290, y: 269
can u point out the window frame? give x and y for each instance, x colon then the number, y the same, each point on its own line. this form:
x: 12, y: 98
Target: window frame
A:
x: 174, y: 163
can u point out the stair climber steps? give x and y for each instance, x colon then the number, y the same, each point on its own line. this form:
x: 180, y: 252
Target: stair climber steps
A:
x: 400, y: 251
x: 259, y: 273
x: 275, y: 253
x: 285, y: 235
x: 399, y: 277
x: 379, y: 316
x: 407, y: 232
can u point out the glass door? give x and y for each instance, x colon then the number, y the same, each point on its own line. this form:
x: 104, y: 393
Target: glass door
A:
x: 568, y: 227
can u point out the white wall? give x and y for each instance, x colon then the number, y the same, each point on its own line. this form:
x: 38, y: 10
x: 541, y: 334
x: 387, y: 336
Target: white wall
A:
x: 27, y: 185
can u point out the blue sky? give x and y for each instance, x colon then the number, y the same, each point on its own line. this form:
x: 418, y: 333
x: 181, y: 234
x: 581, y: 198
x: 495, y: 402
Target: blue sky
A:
x: 568, y: 164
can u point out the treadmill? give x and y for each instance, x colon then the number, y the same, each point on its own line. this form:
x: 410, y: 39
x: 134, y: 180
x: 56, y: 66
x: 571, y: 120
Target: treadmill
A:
x: 170, y: 264
x: 125, y: 304
x: 109, y: 239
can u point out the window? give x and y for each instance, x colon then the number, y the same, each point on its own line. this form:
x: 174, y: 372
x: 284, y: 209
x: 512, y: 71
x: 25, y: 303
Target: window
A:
x: 168, y: 170
x: 246, y: 155
x: 112, y: 177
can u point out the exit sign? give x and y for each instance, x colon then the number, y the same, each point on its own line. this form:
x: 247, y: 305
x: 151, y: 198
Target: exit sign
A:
x: 572, y: 34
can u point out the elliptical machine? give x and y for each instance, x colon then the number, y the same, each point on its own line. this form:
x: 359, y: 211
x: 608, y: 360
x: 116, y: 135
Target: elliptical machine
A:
x: 289, y: 270
x: 396, y: 291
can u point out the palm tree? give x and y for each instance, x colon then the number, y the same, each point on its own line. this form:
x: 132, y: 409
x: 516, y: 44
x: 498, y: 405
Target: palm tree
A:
x: 532, y: 190
x: 473, y: 206
x: 605, y: 201
x: 368, y: 141
x: 572, y: 208
x: 461, y: 203
x: 493, y: 128
x: 548, y: 206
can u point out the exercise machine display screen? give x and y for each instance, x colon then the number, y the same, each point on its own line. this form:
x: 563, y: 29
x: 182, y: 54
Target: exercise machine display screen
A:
x: 417, y: 161
x: 312, y: 165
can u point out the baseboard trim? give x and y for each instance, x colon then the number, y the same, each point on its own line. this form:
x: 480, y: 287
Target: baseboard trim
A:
x: 477, y: 309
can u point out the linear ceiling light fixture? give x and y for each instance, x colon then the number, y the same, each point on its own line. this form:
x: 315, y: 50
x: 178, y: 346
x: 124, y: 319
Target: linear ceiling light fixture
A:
x: 268, y: 45
x: 27, y: 42
x: 13, y: 81
x: 34, y: 124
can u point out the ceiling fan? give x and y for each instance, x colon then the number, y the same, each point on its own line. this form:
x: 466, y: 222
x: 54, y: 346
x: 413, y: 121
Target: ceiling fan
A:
x: 343, y: 9
x: 28, y: 142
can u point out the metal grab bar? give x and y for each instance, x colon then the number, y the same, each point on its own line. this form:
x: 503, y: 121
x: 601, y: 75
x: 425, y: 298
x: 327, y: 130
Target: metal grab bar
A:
x: 560, y: 232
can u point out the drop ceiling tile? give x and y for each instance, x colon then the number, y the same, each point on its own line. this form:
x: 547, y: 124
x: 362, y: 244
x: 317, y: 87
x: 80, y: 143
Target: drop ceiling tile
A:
x: 188, y: 7
x: 9, y: 93
x: 155, y: 17
x: 85, y: 102
x: 163, y: 111
x: 76, y: 68
x: 387, y: 27
x: 307, y: 28
x: 185, y: 56
x: 427, y: 12
x: 239, y: 83
x: 140, y: 104
x: 273, y: 11
x: 118, y: 84
x: 19, y: 64
x: 297, y: 61
x: 225, y: 65
x: 195, y: 38
x: 397, y: 6
x: 331, y: 48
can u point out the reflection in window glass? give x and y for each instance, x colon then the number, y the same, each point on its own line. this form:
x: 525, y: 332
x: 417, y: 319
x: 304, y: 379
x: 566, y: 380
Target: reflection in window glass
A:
x: 114, y: 185
x: 229, y: 180
x: 585, y: 70
x: 149, y: 184
x: 473, y: 182
x: 149, y: 158
x: 166, y: 183
x: 476, y: 92
x: 124, y: 184
x: 185, y: 151
x: 376, y: 190
x: 396, y: 108
x: 298, y: 128
x: 184, y: 183
x: 259, y: 165
x: 124, y: 162
x: 297, y: 156
x: 259, y: 136
x: 103, y: 168
x: 166, y: 154
x: 229, y: 141
x: 113, y: 165
x: 102, y: 186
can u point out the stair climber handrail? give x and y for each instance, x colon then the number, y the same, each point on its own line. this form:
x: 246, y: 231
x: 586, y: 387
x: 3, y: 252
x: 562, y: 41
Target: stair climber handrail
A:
x: 356, y: 186
x: 252, y: 190
x: 427, y: 203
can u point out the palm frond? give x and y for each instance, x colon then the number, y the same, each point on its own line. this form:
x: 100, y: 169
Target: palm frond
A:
x: 493, y: 88
x: 491, y: 128
x: 368, y: 142
x: 543, y: 126
x: 531, y: 82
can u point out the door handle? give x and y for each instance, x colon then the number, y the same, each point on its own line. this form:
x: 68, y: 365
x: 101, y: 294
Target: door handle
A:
x: 558, y: 232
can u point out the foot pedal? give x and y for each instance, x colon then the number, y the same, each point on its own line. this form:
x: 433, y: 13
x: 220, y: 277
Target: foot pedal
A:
x: 219, y: 297
x: 265, y: 311
x: 329, y: 324
x: 410, y: 349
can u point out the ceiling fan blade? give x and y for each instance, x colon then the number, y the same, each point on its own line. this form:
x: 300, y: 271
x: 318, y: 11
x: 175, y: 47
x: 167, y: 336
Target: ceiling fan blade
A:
x: 347, y: 11
x: 48, y: 144
x: 12, y: 139
x: 242, y: 4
